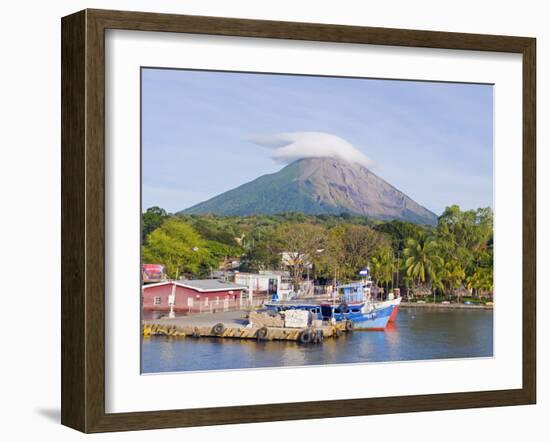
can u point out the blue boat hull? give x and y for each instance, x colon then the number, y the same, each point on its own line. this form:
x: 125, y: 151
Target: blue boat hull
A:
x: 377, y: 320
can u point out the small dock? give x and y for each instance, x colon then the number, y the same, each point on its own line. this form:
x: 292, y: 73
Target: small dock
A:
x: 234, y: 325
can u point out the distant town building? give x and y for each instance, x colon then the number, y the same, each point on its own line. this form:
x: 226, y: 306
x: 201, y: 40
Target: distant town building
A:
x: 270, y: 284
x: 265, y: 284
x: 230, y: 263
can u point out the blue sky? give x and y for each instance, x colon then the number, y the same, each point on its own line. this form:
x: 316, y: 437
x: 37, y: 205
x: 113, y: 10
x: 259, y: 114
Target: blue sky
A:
x: 433, y: 141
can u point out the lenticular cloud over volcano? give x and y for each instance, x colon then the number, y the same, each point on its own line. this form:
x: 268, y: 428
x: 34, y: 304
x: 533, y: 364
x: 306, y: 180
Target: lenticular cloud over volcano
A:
x: 296, y: 145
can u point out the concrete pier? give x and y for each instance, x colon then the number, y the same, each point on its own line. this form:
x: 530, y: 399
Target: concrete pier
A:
x: 235, y: 325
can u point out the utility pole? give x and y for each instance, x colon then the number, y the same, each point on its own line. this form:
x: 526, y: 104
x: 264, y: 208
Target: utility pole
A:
x: 172, y: 301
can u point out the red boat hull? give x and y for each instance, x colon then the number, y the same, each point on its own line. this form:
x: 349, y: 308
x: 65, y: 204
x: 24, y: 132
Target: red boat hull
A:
x: 394, y: 313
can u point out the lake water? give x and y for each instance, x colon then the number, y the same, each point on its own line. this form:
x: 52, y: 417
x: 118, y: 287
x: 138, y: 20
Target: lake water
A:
x: 417, y: 334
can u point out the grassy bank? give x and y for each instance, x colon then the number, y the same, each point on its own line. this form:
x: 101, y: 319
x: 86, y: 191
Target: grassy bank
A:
x: 447, y: 306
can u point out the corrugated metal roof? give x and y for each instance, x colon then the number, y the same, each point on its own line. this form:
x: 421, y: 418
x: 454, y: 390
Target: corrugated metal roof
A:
x: 209, y: 285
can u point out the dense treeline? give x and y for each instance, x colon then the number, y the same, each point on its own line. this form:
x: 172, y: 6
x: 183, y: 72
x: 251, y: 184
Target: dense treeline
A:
x: 453, y: 257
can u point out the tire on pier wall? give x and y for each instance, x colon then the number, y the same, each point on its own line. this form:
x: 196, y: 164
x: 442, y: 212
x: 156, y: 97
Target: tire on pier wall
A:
x: 305, y: 336
x: 218, y: 329
x: 262, y: 334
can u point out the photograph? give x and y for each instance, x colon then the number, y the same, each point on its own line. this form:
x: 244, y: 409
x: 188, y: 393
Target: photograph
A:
x: 292, y: 220
x: 275, y: 221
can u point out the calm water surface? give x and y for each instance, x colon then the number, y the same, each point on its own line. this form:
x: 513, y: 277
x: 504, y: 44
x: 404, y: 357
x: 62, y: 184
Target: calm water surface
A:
x: 417, y: 334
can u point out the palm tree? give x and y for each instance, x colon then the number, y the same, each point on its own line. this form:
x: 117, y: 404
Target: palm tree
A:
x: 423, y: 261
x: 453, y: 274
x: 382, y: 267
x: 481, y: 280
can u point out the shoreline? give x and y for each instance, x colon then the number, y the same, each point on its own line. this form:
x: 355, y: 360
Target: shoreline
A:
x: 446, y: 306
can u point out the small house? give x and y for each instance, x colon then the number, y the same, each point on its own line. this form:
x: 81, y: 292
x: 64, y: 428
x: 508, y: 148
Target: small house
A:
x: 263, y: 285
x: 197, y: 295
x: 267, y: 284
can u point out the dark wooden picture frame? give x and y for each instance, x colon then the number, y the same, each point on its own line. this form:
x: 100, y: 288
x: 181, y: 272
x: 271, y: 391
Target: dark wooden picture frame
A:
x: 83, y: 220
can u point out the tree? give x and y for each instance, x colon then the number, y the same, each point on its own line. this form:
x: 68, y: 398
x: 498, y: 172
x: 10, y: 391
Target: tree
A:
x: 301, y: 243
x: 151, y: 220
x: 217, y: 253
x: 465, y: 239
x: 360, y: 244
x: 215, y: 228
x: 382, y: 267
x: 262, y: 251
x: 399, y: 232
x: 470, y: 230
x: 176, y: 245
x: 453, y: 275
x: 481, y: 281
x: 422, y: 260
x: 349, y: 248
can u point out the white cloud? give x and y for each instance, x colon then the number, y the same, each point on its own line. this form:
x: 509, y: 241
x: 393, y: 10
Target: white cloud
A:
x: 295, y: 145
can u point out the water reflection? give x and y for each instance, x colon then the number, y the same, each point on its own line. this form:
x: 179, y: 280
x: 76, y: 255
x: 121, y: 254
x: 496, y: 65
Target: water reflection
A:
x: 417, y: 334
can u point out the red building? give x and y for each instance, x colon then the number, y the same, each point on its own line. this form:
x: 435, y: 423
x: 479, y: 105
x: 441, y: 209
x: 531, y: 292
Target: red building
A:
x: 199, y: 295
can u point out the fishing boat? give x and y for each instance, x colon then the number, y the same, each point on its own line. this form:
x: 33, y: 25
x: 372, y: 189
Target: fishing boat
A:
x: 350, y: 303
x: 358, y: 307
x: 394, y: 298
x: 393, y: 303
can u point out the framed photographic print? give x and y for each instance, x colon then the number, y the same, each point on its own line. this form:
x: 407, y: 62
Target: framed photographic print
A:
x: 269, y: 220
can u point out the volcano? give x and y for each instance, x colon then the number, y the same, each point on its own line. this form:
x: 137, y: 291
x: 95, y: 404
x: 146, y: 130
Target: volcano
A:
x: 318, y: 186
